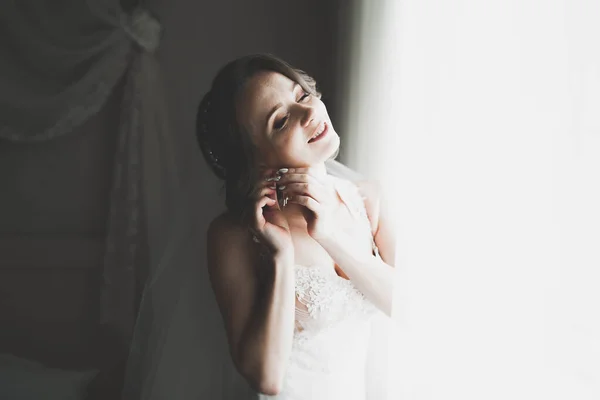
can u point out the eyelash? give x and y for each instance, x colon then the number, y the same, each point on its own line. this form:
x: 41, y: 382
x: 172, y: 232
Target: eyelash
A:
x: 284, y: 120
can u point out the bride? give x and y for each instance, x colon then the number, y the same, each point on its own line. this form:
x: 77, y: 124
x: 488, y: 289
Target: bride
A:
x: 302, y: 259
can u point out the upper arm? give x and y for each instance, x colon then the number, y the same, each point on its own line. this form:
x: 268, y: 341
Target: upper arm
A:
x: 381, y: 223
x: 233, y: 278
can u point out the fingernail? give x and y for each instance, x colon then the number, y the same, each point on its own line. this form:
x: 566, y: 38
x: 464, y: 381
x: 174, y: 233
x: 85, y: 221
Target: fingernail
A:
x: 281, y: 187
x: 282, y: 171
x: 273, y: 178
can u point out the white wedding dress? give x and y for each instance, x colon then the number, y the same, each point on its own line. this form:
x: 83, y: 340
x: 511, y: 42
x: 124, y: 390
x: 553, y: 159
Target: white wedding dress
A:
x: 331, y: 339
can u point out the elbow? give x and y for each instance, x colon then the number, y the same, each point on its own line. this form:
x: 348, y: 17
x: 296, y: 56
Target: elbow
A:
x: 263, y: 383
x: 267, y: 381
x: 268, y: 388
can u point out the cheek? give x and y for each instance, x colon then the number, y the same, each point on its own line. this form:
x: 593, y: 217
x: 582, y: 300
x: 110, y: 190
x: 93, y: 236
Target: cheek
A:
x: 291, y: 146
x: 288, y: 146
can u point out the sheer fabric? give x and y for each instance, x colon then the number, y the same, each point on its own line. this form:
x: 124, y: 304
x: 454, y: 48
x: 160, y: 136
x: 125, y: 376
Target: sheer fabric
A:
x: 59, y: 61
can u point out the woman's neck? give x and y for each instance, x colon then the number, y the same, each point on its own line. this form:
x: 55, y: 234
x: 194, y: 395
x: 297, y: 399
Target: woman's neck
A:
x: 319, y: 171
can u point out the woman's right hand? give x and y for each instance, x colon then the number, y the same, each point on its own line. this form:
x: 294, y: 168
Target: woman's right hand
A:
x: 266, y: 220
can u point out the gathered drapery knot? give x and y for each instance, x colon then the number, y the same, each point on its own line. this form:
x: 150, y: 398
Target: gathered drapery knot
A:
x: 143, y: 28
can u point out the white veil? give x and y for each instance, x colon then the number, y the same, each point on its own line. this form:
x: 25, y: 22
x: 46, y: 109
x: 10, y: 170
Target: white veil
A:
x: 340, y: 170
x: 379, y: 341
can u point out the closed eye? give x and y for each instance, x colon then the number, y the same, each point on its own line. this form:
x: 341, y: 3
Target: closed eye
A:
x: 305, y: 95
x: 280, y: 124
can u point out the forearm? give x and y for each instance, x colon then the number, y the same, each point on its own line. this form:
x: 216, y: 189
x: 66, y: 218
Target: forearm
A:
x: 370, y: 274
x: 267, y: 341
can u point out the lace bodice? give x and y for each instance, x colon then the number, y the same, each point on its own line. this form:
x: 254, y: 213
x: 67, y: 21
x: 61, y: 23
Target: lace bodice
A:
x: 332, y: 316
x: 325, y: 299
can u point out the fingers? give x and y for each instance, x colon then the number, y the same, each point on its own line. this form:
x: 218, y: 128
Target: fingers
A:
x: 302, y: 184
x: 263, y: 197
x: 259, y: 219
x: 292, y: 182
x: 268, y: 178
x: 281, y: 175
x: 297, y: 177
x: 306, y: 170
x: 301, y: 175
x: 299, y: 181
x: 265, y: 190
x: 261, y: 188
x: 317, y: 192
x: 307, y: 202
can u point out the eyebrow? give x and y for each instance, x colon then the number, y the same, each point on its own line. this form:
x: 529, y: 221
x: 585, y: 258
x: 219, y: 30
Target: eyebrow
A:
x: 277, y: 106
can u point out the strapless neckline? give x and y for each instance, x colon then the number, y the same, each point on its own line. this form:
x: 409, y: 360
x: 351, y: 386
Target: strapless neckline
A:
x: 329, y: 270
x: 332, y: 325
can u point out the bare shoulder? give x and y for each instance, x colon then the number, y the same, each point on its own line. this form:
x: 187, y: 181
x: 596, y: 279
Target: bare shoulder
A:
x: 379, y: 215
x: 225, y: 227
x: 229, y: 246
x: 371, y: 191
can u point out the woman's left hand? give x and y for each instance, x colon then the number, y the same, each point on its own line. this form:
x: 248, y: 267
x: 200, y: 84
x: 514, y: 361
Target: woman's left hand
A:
x: 317, y: 195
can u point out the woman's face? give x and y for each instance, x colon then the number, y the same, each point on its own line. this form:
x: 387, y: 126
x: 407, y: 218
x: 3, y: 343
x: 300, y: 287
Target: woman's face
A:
x: 284, y: 122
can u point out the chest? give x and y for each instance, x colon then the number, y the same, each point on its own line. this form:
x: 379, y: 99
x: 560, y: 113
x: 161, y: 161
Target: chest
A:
x: 325, y: 296
x: 309, y: 252
x: 325, y: 300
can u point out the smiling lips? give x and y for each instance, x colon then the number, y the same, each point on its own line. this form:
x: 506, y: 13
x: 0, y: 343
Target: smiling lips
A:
x: 320, y: 133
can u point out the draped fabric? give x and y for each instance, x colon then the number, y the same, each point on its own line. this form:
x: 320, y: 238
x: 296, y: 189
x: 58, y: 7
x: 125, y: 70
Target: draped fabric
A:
x: 58, y: 64
x: 59, y: 61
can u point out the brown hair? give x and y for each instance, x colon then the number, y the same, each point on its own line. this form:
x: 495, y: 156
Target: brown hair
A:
x: 227, y: 149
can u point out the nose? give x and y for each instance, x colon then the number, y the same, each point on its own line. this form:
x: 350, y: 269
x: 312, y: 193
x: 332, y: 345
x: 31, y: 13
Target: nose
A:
x: 307, y: 117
